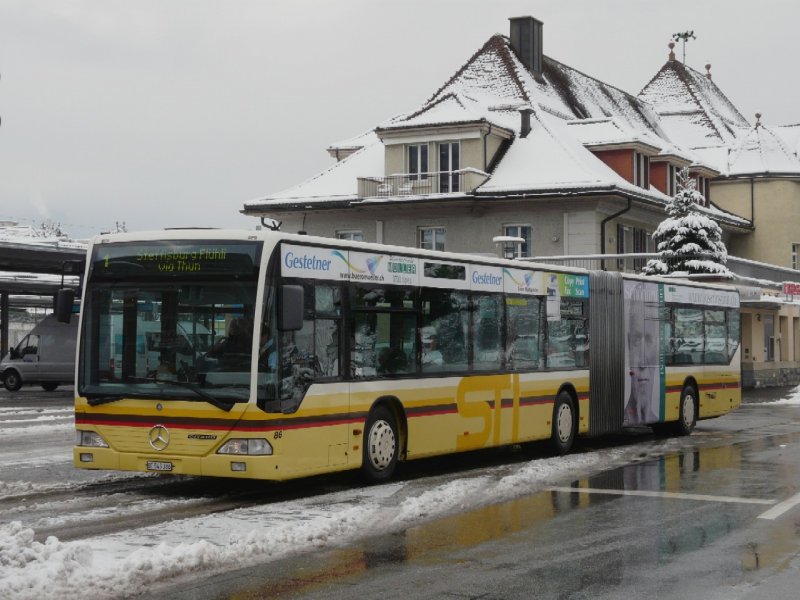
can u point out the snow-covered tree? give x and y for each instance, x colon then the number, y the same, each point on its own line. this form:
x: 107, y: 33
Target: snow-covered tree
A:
x: 688, y: 241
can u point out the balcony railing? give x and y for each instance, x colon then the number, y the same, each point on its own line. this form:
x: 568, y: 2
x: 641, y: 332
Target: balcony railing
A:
x: 742, y: 268
x: 420, y: 184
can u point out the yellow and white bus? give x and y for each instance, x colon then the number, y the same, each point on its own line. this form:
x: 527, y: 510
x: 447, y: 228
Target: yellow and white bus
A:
x: 281, y: 356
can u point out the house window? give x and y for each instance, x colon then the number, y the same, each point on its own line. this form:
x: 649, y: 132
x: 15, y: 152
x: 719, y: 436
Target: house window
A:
x: 641, y: 170
x: 524, y: 232
x: 449, y: 163
x: 431, y: 238
x: 418, y: 161
x: 353, y: 235
x: 795, y: 252
x: 632, y: 240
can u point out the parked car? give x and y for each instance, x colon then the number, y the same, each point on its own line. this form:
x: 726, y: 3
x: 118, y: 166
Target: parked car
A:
x: 45, y: 356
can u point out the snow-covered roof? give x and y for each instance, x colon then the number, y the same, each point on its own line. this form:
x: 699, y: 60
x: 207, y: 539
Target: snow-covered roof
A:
x: 551, y: 159
x: 693, y: 111
x: 612, y: 131
x: 355, y: 143
x: 790, y: 134
x: 48, y: 234
x: 336, y: 184
x: 450, y: 109
x: 760, y: 150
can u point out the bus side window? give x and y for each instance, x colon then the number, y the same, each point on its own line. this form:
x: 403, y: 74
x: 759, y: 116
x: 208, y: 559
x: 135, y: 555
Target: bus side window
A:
x: 523, y: 333
x: 734, y: 332
x: 444, y: 329
x: 487, y: 320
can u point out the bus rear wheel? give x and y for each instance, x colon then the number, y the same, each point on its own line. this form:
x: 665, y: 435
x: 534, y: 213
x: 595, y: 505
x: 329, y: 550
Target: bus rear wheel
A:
x: 688, y: 412
x: 49, y: 386
x: 12, y: 381
x: 381, y: 445
x: 563, y: 432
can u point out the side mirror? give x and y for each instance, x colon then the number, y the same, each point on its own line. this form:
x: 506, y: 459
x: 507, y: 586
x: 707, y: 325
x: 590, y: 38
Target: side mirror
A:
x: 290, y: 307
x: 63, y: 306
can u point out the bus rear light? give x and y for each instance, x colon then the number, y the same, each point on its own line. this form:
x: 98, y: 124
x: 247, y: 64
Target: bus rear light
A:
x: 251, y: 447
x: 90, y: 439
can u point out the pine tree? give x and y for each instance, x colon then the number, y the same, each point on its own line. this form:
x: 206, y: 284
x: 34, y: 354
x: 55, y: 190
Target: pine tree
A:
x: 688, y: 241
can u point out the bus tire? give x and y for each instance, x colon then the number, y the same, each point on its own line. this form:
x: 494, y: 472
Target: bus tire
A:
x: 12, y: 380
x: 49, y: 386
x: 381, y: 445
x: 688, y: 411
x: 564, y: 423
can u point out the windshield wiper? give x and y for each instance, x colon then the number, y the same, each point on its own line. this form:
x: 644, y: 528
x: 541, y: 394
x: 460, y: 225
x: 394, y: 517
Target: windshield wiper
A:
x: 98, y: 399
x: 203, y: 394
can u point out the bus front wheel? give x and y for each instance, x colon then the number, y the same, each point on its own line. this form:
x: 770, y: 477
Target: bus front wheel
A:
x: 563, y: 432
x: 381, y: 445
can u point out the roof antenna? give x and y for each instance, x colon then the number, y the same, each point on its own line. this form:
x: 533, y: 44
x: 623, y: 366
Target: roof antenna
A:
x: 684, y: 37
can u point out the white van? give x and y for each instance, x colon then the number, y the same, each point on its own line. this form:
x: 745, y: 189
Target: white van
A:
x: 45, y: 356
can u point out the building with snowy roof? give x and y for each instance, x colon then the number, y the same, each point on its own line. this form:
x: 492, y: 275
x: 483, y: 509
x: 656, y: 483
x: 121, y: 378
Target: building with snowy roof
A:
x: 515, y: 143
x: 758, y: 171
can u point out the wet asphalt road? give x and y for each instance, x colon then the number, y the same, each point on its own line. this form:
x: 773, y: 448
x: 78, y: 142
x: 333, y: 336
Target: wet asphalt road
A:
x: 702, y: 521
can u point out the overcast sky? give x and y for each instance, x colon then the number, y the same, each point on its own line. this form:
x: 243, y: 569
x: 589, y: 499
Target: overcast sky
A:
x: 165, y: 113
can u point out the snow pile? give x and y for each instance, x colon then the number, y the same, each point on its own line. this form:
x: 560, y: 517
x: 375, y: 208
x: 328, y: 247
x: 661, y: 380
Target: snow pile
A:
x: 792, y: 400
x: 56, y: 564
x: 11, y: 489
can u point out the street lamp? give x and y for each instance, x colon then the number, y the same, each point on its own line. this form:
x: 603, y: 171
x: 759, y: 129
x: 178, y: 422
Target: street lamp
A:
x: 509, y: 245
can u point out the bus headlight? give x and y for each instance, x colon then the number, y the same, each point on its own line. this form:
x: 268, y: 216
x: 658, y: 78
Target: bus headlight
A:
x: 90, y: 439
x: 251, y: 447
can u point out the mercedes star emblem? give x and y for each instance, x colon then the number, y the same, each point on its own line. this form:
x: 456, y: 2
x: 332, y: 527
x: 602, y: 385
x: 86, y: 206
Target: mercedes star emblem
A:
x: 158, y: 437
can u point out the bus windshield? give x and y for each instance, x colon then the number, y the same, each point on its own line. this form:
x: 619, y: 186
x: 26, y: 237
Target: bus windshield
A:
x: 169, y: 320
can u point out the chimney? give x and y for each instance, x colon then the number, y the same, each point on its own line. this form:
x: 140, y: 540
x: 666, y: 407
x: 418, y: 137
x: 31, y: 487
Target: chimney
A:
x: 525, y: 124
x: 526, y: 40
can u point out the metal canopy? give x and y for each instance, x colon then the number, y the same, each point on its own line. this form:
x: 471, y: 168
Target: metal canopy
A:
x: 33, y: 258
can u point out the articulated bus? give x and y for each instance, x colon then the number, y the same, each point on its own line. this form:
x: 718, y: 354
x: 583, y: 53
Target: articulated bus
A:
x: 270, y: 355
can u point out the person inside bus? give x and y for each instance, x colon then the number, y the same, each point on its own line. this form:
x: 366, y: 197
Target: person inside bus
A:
x: 392, y: 360
x: 431, y: 356
x: 234, y: 350
x: 642, y: 405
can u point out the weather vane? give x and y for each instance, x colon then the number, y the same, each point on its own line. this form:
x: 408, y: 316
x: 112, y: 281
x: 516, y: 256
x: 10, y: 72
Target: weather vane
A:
x: 684, y: 37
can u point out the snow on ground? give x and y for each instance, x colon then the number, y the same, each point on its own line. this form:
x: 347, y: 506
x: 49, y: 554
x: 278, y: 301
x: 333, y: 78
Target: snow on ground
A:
x: 792, y: 399
x: 130, y: 562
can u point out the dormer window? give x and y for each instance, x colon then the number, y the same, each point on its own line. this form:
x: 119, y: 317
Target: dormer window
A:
x: 672, y: 180
x: 418, y: 161
x: 641, y: 170
x: 703, y: 186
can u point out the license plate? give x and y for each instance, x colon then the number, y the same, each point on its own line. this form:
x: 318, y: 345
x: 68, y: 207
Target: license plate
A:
x: 155, y: 465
